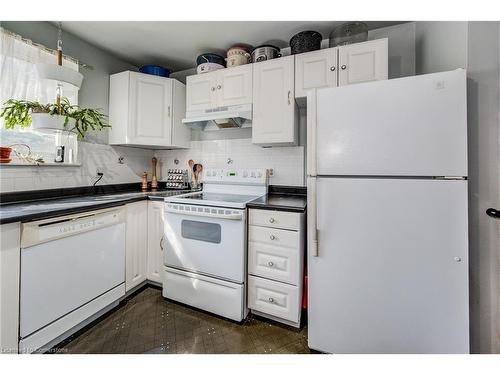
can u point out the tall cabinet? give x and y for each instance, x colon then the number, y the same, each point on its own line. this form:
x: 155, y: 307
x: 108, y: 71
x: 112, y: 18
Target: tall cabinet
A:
x: 275, y: 114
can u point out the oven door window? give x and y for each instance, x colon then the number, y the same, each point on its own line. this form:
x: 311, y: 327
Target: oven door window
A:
x: 201, y: 231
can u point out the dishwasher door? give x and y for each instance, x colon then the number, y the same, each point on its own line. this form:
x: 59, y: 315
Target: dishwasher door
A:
x: 67, y: 262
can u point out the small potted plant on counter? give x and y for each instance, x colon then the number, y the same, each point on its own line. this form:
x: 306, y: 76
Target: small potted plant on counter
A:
x: 5, y: 154
x: 62, y: 116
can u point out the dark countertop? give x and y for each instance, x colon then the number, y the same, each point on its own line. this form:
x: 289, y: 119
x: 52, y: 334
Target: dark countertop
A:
x: 52, y: 207
x: 43, y: 204
x: 281, y: 198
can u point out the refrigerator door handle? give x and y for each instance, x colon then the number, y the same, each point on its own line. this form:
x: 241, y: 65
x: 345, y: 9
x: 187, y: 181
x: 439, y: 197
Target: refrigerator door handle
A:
x: 311, y: 133
x: 312, y: 213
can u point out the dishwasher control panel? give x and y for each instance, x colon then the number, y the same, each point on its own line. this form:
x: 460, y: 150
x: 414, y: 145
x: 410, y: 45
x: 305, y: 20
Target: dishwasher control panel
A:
x: 46, y: 230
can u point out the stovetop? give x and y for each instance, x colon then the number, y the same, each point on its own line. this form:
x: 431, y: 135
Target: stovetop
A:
x: 213, y: 199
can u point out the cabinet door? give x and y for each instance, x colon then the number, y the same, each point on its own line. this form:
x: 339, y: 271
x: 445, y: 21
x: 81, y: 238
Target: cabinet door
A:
x: 315, y: 70
x: 363, y: 62
x: 200, y: 91
x: 155, y: 241
x: 150, y: 110
x: 274, y: 117
x: 234, y: 86
x: 137, y: 244
x: 10, y: 256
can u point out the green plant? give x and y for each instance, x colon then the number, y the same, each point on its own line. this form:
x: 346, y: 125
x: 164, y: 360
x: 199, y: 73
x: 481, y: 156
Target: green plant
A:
x: 18, y: 112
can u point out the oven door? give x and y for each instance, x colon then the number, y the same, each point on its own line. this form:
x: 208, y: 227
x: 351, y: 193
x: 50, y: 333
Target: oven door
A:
x: 206, y: 240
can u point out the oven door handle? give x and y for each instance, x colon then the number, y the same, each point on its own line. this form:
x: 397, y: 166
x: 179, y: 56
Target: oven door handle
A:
x: 231, y: 216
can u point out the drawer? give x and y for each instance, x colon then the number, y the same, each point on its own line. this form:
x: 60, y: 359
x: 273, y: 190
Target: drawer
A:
x: 273, y: 262
x: 274, y: 298
x: 275, y: 219
x: 273, y: 237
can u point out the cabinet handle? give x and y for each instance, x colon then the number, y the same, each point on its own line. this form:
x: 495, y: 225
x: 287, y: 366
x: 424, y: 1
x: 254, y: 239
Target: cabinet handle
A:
x: 213, y: 89
x: 271, y: 299
x: 332, y: 68
x: 161, y: 243
x: 219, y: 87
x: 289, y: 93
x: 168, y: 111
x: 343, y: 67
x: 272, y: 237
x: 271, y: 220
x: 270, y: 264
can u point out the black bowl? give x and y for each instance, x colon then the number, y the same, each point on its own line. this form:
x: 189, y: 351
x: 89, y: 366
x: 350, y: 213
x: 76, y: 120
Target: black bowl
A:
x: 305, y: 41
x: 211, y: 58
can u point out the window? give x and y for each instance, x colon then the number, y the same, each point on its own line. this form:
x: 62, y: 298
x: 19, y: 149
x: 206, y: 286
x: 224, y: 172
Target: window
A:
x: 19, y: 80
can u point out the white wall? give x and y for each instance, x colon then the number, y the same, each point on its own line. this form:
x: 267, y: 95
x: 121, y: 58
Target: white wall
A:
x: 440, y: 46
x: 286, y: 162
x: 483, y: 106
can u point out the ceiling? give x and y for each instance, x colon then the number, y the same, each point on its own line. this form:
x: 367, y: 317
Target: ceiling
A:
x: 177, y: 44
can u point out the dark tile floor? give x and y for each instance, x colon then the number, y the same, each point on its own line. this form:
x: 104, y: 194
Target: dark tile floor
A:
x: 147, y: 323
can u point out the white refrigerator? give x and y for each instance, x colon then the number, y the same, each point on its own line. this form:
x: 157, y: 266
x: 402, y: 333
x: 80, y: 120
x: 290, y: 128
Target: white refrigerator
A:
x: 387, y: 216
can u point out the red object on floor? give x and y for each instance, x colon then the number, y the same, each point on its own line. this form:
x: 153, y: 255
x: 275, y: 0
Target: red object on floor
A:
x: 304, y: 293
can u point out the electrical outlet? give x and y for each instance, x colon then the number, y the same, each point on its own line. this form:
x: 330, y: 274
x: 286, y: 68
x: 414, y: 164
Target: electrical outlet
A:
x: 99, y: 171
x: 270, y: 172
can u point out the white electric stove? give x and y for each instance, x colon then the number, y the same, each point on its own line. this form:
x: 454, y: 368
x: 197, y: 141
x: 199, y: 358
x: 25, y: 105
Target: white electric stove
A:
x: 206, y: 245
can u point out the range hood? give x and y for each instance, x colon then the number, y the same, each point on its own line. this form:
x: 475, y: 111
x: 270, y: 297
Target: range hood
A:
x: 229, y: 117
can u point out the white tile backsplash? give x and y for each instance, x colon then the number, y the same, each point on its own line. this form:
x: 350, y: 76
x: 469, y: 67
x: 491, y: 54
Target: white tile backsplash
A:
x: 92, y: 157
x: 287, y: 162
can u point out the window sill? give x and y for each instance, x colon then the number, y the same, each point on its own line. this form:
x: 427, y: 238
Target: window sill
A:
x: 40, y: 165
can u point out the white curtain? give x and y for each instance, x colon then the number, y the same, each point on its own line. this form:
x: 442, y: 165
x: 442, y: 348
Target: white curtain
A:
x: 18, y: 77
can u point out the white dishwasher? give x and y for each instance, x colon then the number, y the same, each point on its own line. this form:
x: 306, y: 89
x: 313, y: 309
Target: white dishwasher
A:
x: 72, y: 267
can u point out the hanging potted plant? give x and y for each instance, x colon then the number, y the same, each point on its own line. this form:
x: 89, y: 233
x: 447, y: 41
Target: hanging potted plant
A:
x: 62, y: 116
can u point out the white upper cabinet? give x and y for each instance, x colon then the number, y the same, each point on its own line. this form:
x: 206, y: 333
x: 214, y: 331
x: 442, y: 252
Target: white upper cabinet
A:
x: 363, y: 62
x: 223, y: 87
x: 200, y: 91
x: 234, y: 85
x: 147, y: 110
x: 339, y: 66
x: 275, y: 116
x: 315, y: 70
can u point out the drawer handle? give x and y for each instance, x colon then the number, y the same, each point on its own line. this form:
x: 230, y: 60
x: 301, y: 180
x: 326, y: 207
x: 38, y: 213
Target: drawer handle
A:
x: 271, y: 299
x: 272, y: 237
x: 271, y: 220
x: 270, y: 264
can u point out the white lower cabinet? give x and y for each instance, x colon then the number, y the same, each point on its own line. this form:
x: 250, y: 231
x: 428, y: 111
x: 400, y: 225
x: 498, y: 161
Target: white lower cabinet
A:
x: 277, y: 299
x: 10, y: 255
x: 136, y: 254
x: 155, y: 241
x: 276, y: 244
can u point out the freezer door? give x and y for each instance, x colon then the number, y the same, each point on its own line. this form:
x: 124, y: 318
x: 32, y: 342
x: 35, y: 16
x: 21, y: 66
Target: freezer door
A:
x: 391, y: 272
x: 413, y: 126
